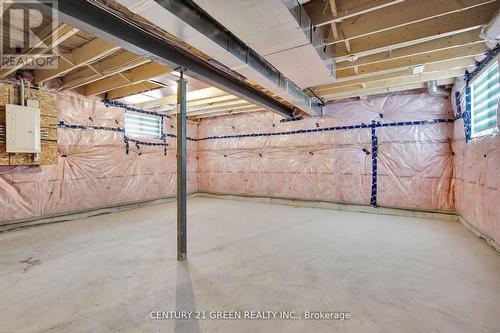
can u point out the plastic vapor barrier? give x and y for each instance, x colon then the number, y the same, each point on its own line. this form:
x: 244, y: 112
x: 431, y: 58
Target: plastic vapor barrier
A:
x: 392, y: 151
x: 94, y: 169
x: 332, y: 158
x: 477, y: 177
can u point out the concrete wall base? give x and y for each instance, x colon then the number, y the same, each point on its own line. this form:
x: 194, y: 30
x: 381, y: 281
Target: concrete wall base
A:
x: 435, y: 215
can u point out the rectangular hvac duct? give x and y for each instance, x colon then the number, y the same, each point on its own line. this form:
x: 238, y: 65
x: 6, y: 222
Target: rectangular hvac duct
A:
x: 187, y: 21
x: 103, y: 22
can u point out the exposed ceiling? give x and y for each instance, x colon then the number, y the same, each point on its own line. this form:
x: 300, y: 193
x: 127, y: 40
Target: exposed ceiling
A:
x: 386, y: 39
x: 378, y: 46
x: 94, y: 67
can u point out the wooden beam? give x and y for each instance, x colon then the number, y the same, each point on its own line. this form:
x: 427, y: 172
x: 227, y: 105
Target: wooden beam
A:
x: 450, y: 42
x: 402, y: 14
x: 218, y: 114
x: 126, y: 78
x: 390, y: 65
x: 395, y: 81
x: 383, y: 90
x: 248, y: 108
x: 80, y: 56
x: 347, y: 44
x: 213, y: 100
x: 333, y: 8
x: 419, y: 32
x: 191, y: 96
x: 133, y: 89
x: 115, y: 64
x: 345, y: 9
x: 242, y: 105
x: 204, y: 102
x: 335, y: 32
x: 53, y: 39
x: 230, y: 104
x: 432, y: 68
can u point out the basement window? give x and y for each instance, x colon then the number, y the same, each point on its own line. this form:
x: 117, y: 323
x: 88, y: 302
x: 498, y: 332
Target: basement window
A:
x: 143, y: 125
x: 485, y: 91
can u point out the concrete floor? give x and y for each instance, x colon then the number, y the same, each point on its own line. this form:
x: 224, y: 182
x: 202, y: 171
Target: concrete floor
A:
x: 107, y: 273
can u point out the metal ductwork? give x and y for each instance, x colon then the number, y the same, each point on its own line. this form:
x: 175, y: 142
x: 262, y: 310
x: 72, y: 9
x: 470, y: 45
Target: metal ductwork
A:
x: 307, y: 27
x: 281, y: 32
x: 434, y: 90
x: 492, y: 30
x: 101, y: 21
x: 189, y: 22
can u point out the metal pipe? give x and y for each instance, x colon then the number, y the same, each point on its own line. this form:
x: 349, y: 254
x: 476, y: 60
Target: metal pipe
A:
x: 434, y: 90
x: 181, y: 169
x: 22, y: 94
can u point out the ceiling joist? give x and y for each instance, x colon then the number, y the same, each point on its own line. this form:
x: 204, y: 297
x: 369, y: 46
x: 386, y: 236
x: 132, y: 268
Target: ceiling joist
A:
x: 418, y: 33
x: 401, y: 14
x: 81, y: 56
x: 395, y: 81
x: 94, y: 72
x: 53, y: 37
x: 213, y: 113
x: 125, y: 78
x: 385, y: 89
x: 445, y: 43
x: 133, y: 89
x: 223, y: 105
x: 437, y: 56
x: 459, y: 64
x: 191, y: 96
x: 388, y: 37
x: 345, y: 9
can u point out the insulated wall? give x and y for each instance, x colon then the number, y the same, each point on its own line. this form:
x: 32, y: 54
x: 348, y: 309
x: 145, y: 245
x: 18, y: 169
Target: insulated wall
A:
x: 334, y: 157
x: 477, y: 178
x: 93, y: 168
x: 389, y: 151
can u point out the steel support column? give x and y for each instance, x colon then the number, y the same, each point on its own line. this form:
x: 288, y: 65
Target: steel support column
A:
x: 181, y: 169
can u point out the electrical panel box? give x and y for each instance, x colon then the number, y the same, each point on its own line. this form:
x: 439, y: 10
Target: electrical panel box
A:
x: 22, y: 129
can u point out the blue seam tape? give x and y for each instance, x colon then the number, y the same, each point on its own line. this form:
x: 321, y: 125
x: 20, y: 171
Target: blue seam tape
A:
x: 373, y: 199
x: 312, y: 130
x: 373, y: 126
x: 117, y: 104
x: 457, y: 103
x: 62, y: 124
x: 146, y: 143
x: 467, y: 114
x: 489, y: 55
x: 328, y: 129
x: 127, y: 146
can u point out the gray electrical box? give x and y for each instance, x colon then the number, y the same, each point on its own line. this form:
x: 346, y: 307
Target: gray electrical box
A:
x: 22, y: 129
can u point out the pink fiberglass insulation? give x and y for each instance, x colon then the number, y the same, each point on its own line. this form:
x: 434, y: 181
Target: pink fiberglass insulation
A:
x: 93, y: 169
x: 414, y: 162
x: 477, y: 178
